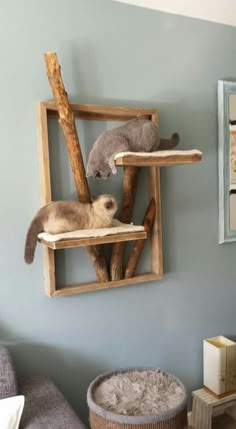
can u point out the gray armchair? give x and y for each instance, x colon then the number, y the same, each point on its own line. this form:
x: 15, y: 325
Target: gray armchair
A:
x: 45, y: 406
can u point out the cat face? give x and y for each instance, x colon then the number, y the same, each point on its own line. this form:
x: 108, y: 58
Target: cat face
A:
x: 106, y: 203
x: 98, y: 166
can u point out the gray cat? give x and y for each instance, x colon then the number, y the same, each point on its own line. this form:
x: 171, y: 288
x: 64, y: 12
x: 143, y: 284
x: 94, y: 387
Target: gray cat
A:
x: 137, y: 135
x: 65, y: 216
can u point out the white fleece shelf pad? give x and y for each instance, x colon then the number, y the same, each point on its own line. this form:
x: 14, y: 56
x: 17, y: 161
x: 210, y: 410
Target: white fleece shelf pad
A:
x: 159, y: 153
x: 90, y: 233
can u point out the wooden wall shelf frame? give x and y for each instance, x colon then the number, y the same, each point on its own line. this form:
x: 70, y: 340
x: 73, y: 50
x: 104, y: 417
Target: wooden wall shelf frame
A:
x: 48, y: 110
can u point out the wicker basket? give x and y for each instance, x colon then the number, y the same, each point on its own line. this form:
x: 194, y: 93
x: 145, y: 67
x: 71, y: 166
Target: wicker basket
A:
x: 100, y: 418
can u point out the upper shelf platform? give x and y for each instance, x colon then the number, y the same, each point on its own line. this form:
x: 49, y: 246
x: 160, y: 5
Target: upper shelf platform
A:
x: 162, y: 158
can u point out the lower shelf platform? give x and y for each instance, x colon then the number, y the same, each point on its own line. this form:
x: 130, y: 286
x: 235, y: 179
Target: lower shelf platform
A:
x: 86, y: 238
x: 93, y: 286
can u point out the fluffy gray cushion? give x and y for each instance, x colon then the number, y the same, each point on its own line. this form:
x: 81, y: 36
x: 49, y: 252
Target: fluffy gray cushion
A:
x: 136, y: 393
x: 124, y: 403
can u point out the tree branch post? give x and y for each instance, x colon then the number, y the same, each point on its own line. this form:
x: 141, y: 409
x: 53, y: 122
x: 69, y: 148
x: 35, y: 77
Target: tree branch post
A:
x: 139, y: 244
x: 130, y: 183
x: 67, y: 122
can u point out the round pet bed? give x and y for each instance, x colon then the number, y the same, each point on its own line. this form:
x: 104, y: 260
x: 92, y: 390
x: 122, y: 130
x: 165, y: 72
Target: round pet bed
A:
x: 137, y: 398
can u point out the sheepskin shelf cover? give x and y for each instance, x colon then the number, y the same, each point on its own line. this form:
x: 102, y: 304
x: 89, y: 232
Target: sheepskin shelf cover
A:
x: 84, y: 234
x: 159, y: 158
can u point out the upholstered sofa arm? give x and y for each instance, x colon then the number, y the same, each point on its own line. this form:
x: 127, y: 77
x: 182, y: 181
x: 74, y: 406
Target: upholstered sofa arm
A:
x: 8, y: 383
x: 45, y: 406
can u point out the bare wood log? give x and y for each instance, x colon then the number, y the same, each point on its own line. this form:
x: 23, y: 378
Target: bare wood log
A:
x: 156, y: 237
x: 67, y: 122
x: 130, y: 182
x: 139, y: 244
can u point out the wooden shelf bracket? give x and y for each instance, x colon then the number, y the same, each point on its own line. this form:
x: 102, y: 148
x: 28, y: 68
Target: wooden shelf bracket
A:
x: 66, y: 113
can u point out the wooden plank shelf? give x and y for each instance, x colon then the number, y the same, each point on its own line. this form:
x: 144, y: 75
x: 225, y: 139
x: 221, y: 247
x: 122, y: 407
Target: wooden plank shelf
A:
x: 159, y: 158
x: 101, y: 113
x: 93, y: 286
x: 91, y: 241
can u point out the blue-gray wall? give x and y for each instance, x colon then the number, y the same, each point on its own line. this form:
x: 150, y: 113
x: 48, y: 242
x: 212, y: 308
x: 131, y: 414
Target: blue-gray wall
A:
x: 117, y: 54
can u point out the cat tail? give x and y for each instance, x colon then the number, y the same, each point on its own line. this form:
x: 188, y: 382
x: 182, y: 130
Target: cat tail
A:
x: 166, y: 144
x: 31, y: 239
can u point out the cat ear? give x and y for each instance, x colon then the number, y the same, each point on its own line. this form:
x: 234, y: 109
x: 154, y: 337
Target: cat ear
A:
x: 113, y: 169
x: 88, y: 173
x: 112, y: 166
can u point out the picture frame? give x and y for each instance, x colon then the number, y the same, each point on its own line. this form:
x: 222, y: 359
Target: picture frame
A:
x: 226, y: 89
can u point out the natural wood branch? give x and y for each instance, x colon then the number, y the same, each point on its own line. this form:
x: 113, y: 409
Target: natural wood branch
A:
x: 139, y: 244
x: 67, y: 122
x: 130, y: 182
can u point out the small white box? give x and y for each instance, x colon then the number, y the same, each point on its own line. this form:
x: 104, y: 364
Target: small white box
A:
x: 219, y: 365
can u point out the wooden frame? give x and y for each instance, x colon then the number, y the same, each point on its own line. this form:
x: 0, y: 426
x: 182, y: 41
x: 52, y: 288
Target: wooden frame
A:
x: 131, y: 162
x: 225, y: 89
x: 106, y: 113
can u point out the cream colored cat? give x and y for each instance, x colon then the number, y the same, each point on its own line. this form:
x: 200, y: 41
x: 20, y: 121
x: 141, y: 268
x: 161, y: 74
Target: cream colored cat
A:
x: 65, y: 216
